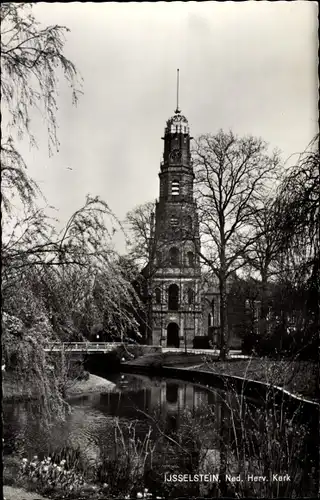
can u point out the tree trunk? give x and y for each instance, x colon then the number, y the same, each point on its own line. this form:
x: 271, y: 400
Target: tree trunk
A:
x: 264, y: 303
x: 223, y: 318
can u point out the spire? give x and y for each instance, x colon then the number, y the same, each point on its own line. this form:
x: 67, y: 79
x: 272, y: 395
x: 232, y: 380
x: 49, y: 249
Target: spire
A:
x: 177, y: 110
x: 177, y: 123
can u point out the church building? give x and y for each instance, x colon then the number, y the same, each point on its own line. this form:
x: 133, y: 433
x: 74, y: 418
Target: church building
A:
x: 174, y: 267
x: 181, y: 306
x: 175, y: 270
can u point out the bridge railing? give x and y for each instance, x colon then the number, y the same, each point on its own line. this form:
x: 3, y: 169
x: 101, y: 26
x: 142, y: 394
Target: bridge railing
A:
x: 82, y: 345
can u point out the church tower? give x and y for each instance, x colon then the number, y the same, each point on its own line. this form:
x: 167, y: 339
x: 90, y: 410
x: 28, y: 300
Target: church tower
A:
x: 174, y: 263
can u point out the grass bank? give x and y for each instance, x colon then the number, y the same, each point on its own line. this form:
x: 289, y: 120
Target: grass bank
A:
x: 297, y: 377
x: 92, y: 385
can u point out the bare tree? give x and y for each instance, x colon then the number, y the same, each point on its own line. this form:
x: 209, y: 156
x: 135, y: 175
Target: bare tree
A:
x: 264, y: 253
x: 140, y: 224
x: 144, y: 243
x: 232, y: 176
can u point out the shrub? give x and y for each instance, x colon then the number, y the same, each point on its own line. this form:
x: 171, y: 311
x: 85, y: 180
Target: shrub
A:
x: 202, y: 343
x: 250, y: 342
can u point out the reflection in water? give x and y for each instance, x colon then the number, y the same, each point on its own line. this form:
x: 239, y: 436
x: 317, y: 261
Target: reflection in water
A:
x: 204, y: 429
x: 172, y: 393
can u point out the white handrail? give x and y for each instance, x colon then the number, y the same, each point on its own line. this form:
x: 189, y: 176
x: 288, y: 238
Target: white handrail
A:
x: 94, y: 346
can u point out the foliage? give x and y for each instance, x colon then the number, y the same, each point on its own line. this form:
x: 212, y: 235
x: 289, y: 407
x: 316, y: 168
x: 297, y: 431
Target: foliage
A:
x: 58, y: 283
x: 124, y: 469
x: 31, y: 59
x: 15, y: 333
x: 73, y: 277
x: 259, y: 437
x: 298, y: 220
x: 289, y: 262
x: 202, y: 342
x: 298, y: 199
x: 24, y: 358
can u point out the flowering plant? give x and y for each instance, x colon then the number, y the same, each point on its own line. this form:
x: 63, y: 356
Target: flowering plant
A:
x: 49, y: 475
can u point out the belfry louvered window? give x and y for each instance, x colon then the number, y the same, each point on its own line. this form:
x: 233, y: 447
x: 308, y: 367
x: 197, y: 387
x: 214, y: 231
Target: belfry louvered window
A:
x: 174, y: 221
x: 174, y: 257
x: 175, y: 188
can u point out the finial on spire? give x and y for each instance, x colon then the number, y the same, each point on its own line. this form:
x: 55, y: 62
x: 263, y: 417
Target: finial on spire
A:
x: 177, y: 110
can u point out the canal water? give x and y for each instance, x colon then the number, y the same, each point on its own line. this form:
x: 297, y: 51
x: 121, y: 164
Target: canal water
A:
x: 179, y: 438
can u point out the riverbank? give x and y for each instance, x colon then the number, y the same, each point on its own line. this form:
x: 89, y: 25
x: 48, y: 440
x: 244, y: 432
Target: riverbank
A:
x: 297, y: 377
x: 11, y: 493
x: 92, y: 385
x: 14, y: 389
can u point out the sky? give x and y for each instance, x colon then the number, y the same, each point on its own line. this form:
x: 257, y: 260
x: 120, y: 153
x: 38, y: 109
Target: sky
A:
x: 246, y: 66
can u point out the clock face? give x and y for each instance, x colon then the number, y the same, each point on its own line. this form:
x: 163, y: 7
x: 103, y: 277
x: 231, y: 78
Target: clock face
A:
x: 175, y: 155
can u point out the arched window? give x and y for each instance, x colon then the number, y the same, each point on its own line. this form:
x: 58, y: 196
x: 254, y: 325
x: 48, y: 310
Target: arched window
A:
x: 158, y: 295
x: 174, y: 256
x: 173, y: 298
x: 190, y: 296
x: 210, y: 320
x: 175, y: 188
x: 190, y: 257
x: 212, y: 310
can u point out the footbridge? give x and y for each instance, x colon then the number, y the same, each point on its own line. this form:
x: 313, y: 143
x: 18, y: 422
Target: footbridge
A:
x: 104, y: 347
x: 87, y: 347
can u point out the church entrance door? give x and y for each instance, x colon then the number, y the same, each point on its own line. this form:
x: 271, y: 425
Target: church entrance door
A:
x: 173, y: 335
